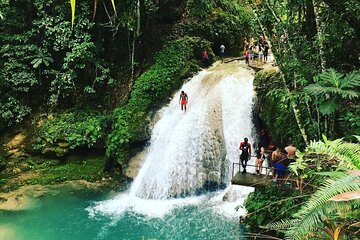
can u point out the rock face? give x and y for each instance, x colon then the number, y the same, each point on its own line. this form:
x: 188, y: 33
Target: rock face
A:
x: 26, y: 197
x: 21, y: 199
x: 14, y: 146
x: 135, y: 164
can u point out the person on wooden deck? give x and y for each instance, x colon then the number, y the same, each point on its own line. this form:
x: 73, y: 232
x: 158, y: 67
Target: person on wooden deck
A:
x: 245, y: 148
x: 260, y: 157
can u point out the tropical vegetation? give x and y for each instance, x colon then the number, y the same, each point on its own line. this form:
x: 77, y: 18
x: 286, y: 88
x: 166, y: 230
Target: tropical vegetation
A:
x: 78, y: 75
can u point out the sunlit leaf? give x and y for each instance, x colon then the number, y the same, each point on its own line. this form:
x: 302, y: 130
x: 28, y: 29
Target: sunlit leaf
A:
x: 95, y: 7
x: 347, y: 196
x: 113, y: 4
x: 72, y: 3
x: 354, y: 172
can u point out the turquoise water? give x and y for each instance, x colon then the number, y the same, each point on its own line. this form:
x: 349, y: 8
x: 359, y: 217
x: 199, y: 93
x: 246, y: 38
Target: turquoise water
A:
x: 64, y: 216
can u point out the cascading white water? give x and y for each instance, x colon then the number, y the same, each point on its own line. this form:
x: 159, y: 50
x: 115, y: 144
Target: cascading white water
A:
x: 190, y: 149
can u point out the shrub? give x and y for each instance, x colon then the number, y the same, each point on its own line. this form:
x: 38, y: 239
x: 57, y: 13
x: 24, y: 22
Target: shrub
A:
x: 60, y: 133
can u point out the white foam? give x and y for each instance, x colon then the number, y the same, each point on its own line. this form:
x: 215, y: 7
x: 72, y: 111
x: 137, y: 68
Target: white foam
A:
x: 188, y: 149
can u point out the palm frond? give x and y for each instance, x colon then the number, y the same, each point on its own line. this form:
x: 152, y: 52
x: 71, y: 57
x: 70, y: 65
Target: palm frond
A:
x: 315, y: 89
x: 310, y: 215
x: 329, y: 106
x: 331, y: 77
x: 351, y: 80
x: 346, y: 151
x: 336, y: 174
x: 282, y: 224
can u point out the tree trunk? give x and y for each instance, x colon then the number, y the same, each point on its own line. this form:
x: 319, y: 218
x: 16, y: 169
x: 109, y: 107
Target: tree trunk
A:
x: 293, y: 103
x: 296, y: 113
x: 310, y: 22
x: 320, y: 34
x: 136, y: 34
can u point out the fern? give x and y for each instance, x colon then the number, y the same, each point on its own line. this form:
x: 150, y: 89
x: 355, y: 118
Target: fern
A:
x: 281, y: 225
x: 336, y: 85
x: 311, y: 214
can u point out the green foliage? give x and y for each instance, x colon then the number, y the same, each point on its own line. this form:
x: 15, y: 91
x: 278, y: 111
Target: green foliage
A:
x: 220, y: 22
x: 320, y: 209
x: 274, y: 100
x: 350, y: 122
x: 40, y: 55
x: 332, y: 88
x: 61, y: 132
x: 12, y: 111
x: 173, y: 64
x: 266, y: 205
x: 328, y: 158
x: 325, y: 159
x: 91, y: 170
x: 319, y: 56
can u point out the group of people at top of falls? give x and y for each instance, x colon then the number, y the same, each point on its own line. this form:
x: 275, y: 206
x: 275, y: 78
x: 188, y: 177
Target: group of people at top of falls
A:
x: 278, y: 159
x: 256, y: 52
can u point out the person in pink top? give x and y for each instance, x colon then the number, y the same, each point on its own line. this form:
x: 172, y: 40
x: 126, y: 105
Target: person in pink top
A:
x: 205, y: 58
x: 247, y: 56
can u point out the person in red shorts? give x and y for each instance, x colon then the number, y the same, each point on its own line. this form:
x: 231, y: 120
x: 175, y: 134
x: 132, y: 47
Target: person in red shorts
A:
x: 183, y: 100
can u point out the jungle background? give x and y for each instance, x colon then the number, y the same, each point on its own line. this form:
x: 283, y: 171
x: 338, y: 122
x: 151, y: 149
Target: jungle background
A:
x: 94, y: 84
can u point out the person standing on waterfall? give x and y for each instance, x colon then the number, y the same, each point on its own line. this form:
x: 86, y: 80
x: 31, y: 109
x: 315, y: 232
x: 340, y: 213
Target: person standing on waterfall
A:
x: 205, y: 58
x: 245, y: 155
x: 222, y: 52
x: 183, y: 100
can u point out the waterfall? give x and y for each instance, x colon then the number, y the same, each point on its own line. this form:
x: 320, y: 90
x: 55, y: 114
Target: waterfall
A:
x: 192, y: 149
x: 189, y: 150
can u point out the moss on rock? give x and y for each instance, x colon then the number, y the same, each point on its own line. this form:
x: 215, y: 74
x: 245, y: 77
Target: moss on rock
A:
x: 173, y: 65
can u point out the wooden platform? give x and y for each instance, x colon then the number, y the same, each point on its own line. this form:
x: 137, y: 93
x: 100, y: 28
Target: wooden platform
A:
x: 251, y: 180
x: 263, y: 180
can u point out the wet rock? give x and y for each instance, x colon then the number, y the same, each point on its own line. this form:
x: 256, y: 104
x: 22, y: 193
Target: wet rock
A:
x: 2, y: 166
x: 213, y: 176
x: 63, y: 144
x: 16, y: 141
x: 14, y: 146
x: 55, y: 151
x: 24, y: 167
x: 134, y: 165
x: 16, y: 170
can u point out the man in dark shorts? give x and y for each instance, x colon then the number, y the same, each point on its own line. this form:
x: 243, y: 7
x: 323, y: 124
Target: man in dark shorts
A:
x: 183, y: 100
x: 245, y: 155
